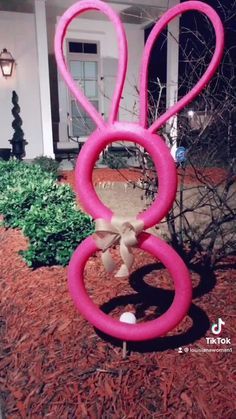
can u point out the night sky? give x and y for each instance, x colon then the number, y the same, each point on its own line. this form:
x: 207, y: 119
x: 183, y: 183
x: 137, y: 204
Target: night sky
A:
x: 189, y: 22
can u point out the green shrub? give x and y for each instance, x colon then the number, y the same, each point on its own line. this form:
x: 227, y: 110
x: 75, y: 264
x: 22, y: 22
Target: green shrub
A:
x: 114, y: 161
x: 14, y: 173
x: 54, y: 232
x: 46, y: 212
x: 47, y: 164
x: 21, y: 186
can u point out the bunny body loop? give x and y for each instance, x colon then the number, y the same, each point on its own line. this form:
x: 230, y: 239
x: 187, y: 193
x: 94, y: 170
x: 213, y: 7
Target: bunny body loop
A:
x: 141, y: 331
x: 112, y: 131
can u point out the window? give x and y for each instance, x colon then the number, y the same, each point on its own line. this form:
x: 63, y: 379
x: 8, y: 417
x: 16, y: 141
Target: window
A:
x: 82, y: 47
x: 83, y: 60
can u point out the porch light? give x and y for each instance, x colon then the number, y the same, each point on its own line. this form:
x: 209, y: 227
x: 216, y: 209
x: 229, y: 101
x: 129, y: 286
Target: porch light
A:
x: 191, y: 113
x: 6, y: 63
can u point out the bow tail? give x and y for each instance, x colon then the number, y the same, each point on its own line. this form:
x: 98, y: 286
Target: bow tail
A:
x: 128, y: 260
x: 108, y: 262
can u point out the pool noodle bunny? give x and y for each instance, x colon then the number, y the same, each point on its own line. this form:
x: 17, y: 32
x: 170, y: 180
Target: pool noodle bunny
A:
x: 111, y: 229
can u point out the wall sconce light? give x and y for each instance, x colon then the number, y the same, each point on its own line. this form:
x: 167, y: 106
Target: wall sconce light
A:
x: 6, y: 63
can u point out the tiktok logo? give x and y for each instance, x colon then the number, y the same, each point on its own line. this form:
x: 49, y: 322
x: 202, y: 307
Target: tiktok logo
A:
x: 216, y: 327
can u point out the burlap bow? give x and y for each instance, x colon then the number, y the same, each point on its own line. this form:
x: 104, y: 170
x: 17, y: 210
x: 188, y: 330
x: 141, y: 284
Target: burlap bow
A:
x: 122, y: 231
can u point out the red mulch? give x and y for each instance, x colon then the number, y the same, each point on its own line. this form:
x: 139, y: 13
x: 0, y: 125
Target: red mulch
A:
x: 54, y: 364
x: 105, y: 175
x: 133, y: 175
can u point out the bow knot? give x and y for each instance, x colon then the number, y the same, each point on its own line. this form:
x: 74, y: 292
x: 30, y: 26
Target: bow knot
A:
x: 117, y: 231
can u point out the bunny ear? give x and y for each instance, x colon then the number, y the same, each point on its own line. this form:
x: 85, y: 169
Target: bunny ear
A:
x: 69, y: 15
x: 160, y: 25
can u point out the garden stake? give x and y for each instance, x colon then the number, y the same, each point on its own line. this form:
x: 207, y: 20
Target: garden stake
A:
x: 129, y: 318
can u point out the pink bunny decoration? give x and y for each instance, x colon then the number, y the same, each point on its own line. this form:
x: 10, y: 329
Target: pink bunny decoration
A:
x: 129, y: 232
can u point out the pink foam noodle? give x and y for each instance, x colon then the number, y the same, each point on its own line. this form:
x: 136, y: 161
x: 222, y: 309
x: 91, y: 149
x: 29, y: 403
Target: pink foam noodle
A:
x: 74, y: 11
x: 141, y: 331
x: 215, y: 61
x: 162, y: 159
x: 114, y: 131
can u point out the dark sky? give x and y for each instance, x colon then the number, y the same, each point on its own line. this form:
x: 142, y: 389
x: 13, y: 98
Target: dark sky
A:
x: 189, y: 44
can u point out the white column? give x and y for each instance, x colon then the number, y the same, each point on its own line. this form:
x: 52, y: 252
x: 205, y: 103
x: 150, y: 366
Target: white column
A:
x: 43, y: 69
x: 172, y: 75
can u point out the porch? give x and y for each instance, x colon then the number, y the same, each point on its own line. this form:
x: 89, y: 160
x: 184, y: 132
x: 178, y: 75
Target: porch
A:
x: 52, y: 120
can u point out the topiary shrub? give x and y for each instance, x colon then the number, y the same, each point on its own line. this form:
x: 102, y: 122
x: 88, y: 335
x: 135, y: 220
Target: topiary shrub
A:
x: 46, y: 211
x: 18, y: 142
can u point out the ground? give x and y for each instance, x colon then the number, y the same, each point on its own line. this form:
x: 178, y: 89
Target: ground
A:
x: 54, y: 364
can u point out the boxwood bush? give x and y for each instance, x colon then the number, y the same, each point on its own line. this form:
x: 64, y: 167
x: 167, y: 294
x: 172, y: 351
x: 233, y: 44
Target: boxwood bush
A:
x: 46, y: 211
x: 47, y: 164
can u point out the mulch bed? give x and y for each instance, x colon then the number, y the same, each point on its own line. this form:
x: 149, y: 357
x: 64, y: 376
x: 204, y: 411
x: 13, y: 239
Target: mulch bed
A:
x: 107, y: 175
x: 54, y: 364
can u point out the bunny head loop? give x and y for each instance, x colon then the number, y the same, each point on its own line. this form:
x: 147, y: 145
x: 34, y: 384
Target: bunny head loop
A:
x: 215, y: 61
x: 74, y: 11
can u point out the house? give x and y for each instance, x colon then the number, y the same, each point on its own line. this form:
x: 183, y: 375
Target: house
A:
x: 51, y: 117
